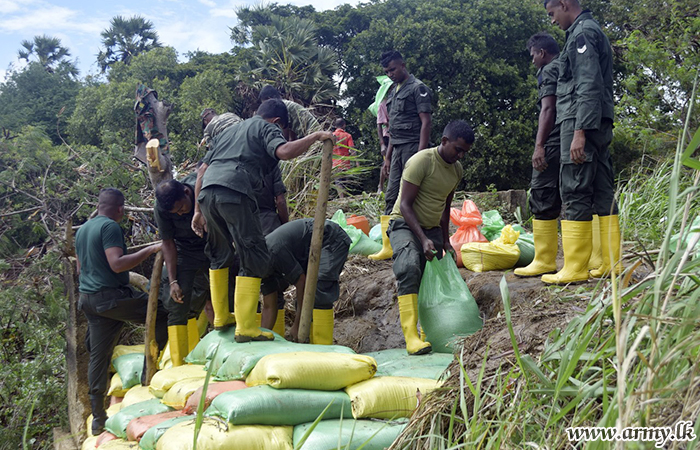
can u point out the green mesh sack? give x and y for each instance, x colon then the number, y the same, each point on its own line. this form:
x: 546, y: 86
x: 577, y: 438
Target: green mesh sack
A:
x: 446, y: 308
x: 492, y: 224
x: 349, y: 434
x: 118, y: 422
x: 526, y: 244
x: 150, y: 438
x: 361, y: 244
x: 129, y: 368
x: 204, y: 351
x: 397, y: 363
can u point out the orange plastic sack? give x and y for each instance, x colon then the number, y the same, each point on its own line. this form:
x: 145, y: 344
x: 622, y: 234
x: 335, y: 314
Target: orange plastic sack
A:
x: 138, y: 426
x: 467, y: 220
x: 105, y: 437
x: 213, y: 390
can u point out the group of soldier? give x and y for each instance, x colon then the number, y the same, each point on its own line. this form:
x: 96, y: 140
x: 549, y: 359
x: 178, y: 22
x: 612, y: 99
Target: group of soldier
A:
x: 226, y: 234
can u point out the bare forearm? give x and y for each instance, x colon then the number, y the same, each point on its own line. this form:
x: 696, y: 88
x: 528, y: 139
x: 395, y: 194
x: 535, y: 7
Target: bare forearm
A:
x: 545, y: 126
x: 426, y: 122
x: 292, y: 149
x: 128, y: 262
x: 282, y: 211
x: 198, y: 185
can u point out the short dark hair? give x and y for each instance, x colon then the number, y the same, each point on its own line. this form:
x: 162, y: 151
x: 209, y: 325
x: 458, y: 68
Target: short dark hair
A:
x: 339, y: 123
x: 459, y: 129
x: 543, y: 41
x: 391, y: 55
x: 169, y: 192
x: 268, y: 92
x: 111, y: 197
x: 274, y: 107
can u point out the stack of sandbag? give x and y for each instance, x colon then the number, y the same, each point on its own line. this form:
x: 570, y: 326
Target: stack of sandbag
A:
x: 499, y: 254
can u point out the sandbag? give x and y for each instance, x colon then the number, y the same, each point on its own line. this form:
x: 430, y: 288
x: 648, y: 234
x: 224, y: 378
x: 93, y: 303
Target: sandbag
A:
x: 120, y: 350
x: 105, y: 437
x: 396, y: 362
x: 310, y: 370
x: 217, y: 436
x: 117, y: 423
x: 112, y: 410
x: 467, y: 220
x: 137, y: 394
x: 206, y: 347
x: 89, y: 443
x: 360, y: 242
x: 446, y: 308
x: 492, y: 224
x: 119, y: 444
x: 177, y: 395
x: 164, y: 379
x: 387, y: 397
x: 526, y: 245
x: 150, y: 438
x: 500, y: 254
x: 375, y: 233
x: 129, y: 368
x: 138, y: 426
x: 239, y: 363
x: 213, y: 390
x: 263, y: 405
x: 116, y: 389
x: 349, y: 434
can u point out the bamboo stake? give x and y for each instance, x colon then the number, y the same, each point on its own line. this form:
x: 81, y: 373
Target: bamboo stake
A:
x: 316, y: 241
x: 151, y: 347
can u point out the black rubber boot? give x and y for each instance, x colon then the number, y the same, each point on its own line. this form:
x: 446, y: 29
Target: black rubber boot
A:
x: 99, y: 416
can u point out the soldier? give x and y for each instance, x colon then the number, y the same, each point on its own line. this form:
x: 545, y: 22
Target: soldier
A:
x: 585, y: 115
x: 227, y: 183
x: 419, y: 227
x: 408, y: 103
x: 301, y: 122
x: 289, y: 247
x: 545, y: 201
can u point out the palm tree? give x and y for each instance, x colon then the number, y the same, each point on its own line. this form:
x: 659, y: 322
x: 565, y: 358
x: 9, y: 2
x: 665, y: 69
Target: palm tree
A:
x: 48, y: 52
x: 126, y: 38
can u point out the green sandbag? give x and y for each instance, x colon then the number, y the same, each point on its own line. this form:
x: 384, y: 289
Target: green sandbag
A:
x: 265, y: 405
x: 526, y: 244
x: 239, y: 363
x: 349, y: 434
x: 385, y: 84
x: 398, y: 363
x: 129, y: 368
x: 206, y: 347
x: 118, y: 422
x: 446, y: 308
x: 150, y: 438
x: 365, y: 246
x: 492, y: 224
x: 375, y: 233
x: 361, y: 244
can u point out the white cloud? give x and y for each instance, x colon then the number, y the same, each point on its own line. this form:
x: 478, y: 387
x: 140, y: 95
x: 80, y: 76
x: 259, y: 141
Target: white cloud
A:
x: 209, y: 35
x: 8, y: 7
x: 49, y: 18
x: 208, y: 3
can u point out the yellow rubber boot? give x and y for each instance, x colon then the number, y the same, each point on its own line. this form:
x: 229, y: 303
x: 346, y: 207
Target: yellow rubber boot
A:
x: 577, y: 241
x: 386, y: 252
x: 258, y: 318
x: 610, y: 246
x: 596, y: 255
x: 177, y: 335
x: 278, y: 327
x: 202, y: 323
x: 323, y: 326
x: 218, y: 284
x: 245, y: 299
x: 409, y: 325
x: 546, y: 245
x: 423, y: 337
x: 192, y: 334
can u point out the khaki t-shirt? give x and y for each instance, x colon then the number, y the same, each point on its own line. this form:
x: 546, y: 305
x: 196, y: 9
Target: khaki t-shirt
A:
x: 436, y: 179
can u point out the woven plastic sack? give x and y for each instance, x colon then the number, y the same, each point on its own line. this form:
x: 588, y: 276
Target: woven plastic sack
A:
x: 375, y: 233
x: 467, y: 220
x: 117, y: 423
x: 492, y: 224
x: 214, y: 436
x: 140, y: 425
x: 129, y: 368
x: 395, y: 362
x: 120, y: 350
x: 150, y: 438
x: 500, y: 254
x: 310, y: 370
x: 164, y: 379
x: 387, y: 397
x: 105, y: 437
x: 89, y: 443
x: 213, y: 390
x: 239, y: 363
x: 115, y: 387
x: 446, y: 308
x: 385, y: 84
x: 119, y: 444
x: 350, y: 434
x: 137, y: 394
x: 204, y: 350
x: 526, y: 245
x: 263, y: 405
x: 112, y: 410
x: 361, y: 244
x: 177, y: 395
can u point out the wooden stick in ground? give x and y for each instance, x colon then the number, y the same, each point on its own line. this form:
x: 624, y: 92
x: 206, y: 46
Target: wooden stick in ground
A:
x: 316, y: 241
x: 151, y: 344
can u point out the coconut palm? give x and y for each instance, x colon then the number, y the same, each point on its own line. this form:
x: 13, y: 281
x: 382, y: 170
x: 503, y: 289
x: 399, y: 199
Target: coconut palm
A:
x: 48, y: 52
x: 126, y: 38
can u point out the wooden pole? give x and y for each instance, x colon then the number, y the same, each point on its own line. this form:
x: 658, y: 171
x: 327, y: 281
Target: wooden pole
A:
x: 151, y: 347
x: 316, y: 242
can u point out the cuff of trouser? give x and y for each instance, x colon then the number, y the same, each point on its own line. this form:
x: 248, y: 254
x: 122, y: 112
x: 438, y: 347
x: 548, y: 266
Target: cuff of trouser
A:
x: 293, y: 276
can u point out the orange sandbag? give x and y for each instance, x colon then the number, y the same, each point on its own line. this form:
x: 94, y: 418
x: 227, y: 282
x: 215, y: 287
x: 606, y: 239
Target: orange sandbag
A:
x: 213, y: 390
x: 106, y: 436
x: 467, y: 220
x: 138, y: 426
x: 359, y: 222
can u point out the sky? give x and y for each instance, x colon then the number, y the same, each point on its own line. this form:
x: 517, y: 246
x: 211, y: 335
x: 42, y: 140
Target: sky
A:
x: 186, y: 25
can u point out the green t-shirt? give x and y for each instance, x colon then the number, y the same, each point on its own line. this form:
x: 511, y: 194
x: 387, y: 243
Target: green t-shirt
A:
x: 242, y: 154
x: 301, y: 121
x: 436, y: 179
x: 91, y: 241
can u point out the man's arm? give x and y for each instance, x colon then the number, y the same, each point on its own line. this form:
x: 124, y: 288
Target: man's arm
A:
x: 588, y: 78
x: 387, y: 159
x: 409, y: 192
x: 282, y: 211
x: 199, y: 223
x: 170, y: 258
x: 445, y: 226
x: 119, y: 262
x: 292, y: 149
x: 545, y: 125
x: 425, y: 123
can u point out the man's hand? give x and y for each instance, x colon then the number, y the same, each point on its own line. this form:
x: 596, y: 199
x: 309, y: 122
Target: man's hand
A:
x: 155, y: 248
x: 294, y: 331
x: 539, y: 163
x: 386, y: 167
x: 176, y: 292
x: 199, y: 224
x: 323, y: 135
x: 450, y: 250
x: 578, y: 144
x: 429, y: 249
